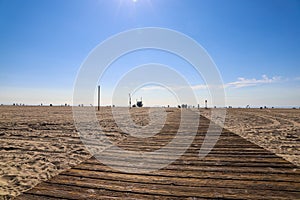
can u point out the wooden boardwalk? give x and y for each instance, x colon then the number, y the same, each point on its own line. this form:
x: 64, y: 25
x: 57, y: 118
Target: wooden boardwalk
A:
x: 234, y: 169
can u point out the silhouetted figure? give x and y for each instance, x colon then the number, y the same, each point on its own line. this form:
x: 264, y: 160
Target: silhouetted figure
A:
x: 50, y: 104
x: 139, y: 103
x: 205, y: 104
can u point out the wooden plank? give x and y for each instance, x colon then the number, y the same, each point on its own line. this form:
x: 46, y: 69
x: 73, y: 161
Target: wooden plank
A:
x: 213, y: 168
x: 233, y: 162
x: 39, y: 197
x: 210, y: 175
x: 170, y: 190
x: 220, y: 174
x: 75, y: 192
x: 184, y: 181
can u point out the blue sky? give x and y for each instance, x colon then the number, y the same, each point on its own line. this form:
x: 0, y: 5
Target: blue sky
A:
x: 255, y: 45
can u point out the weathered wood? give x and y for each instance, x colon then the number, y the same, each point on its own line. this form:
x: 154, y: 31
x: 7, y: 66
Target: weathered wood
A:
x: 204, y: 174
x: 170, y: 190
x: 199, y: 169
x: 180, y: 181
x: 75, y: 192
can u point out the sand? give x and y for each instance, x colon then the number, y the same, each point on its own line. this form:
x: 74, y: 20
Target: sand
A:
x: 37, y: 143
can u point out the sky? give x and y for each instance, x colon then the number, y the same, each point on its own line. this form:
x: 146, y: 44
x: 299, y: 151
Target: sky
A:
x: 254, y: 44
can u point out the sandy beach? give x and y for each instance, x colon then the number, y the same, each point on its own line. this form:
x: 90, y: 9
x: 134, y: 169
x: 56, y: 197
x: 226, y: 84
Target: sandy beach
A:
x: 38, y: 143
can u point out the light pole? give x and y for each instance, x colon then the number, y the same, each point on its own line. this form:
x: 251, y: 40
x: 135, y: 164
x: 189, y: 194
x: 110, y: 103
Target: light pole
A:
x: 98, y: 97
x: 129, y: 100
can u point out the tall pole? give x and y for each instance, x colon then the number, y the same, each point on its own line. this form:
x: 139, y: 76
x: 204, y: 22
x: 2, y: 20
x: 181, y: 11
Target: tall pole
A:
x: 98, y: 97
x: 129, y: 101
